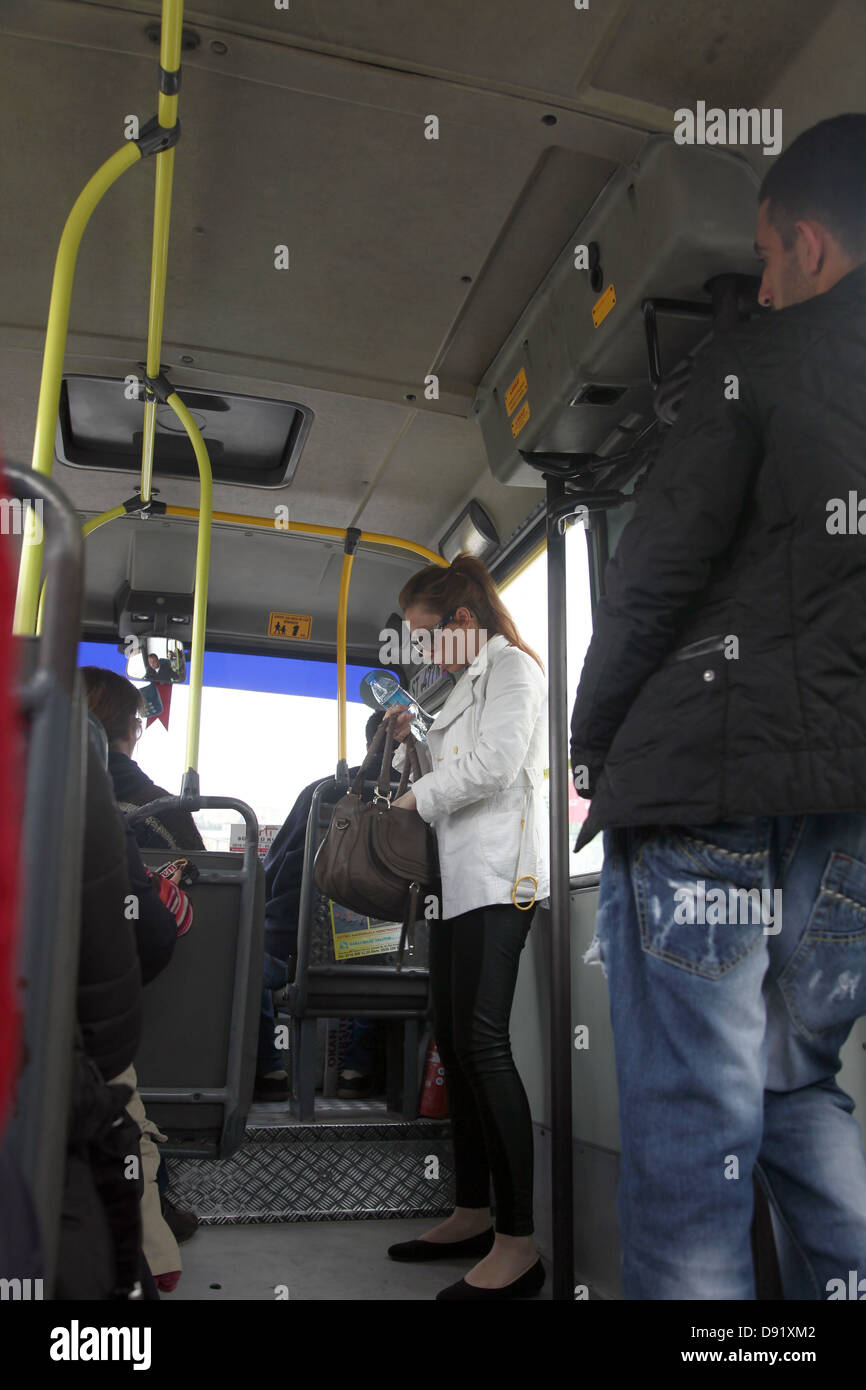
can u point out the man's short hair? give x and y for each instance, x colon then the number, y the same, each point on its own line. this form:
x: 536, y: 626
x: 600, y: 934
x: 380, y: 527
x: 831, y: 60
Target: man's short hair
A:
x: 821, y: 177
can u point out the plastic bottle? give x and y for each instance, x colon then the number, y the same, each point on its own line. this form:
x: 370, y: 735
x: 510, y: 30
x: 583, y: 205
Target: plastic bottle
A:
x: 388, y: 693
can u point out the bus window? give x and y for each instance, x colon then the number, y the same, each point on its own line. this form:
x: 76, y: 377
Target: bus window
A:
x: 526, y: 599
x: 268, y: 729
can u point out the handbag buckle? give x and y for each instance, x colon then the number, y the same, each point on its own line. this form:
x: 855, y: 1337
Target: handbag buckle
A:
x: 380, y: 796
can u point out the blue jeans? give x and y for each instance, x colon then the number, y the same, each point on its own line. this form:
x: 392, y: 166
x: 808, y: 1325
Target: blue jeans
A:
x: 728, y: 1011
x: 359, y: 1053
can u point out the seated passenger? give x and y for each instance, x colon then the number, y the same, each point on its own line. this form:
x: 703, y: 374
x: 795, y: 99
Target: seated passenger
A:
x: 117, y: 704
x: 284, y: 869
x: 115, y: 955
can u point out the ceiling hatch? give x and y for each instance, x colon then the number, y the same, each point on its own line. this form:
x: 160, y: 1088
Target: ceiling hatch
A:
x: 251, y: 440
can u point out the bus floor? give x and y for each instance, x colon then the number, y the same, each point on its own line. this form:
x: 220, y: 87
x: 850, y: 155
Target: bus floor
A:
x: 312, y: 1261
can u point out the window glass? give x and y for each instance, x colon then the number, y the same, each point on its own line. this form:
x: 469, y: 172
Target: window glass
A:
x: 260, y: 745
x: 526, y: 599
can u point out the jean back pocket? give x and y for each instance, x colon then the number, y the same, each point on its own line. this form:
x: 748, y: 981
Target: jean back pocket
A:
x: 700, y: 897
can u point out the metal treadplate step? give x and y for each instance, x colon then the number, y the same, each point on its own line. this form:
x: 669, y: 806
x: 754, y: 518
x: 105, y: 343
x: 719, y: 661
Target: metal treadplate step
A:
x: 322, y: 1172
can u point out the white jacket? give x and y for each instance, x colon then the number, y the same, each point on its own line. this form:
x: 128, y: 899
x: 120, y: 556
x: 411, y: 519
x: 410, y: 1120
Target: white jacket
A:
x: 482, y: 789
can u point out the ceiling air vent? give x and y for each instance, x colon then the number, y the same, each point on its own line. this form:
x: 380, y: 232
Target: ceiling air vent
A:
x: 251, y: 441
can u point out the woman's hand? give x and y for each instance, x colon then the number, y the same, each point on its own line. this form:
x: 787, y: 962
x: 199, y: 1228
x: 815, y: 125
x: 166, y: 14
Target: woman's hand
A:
x: 406, y: 802
x: 402, y: 721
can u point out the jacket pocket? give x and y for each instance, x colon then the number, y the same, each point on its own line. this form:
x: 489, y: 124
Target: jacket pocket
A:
x: 824, y: 982
x: 499, y: 828
x: 700, y: 904
x: 669, y: 749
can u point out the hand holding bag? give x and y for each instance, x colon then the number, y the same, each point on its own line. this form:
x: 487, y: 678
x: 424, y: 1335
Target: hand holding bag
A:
x: 378, y: 859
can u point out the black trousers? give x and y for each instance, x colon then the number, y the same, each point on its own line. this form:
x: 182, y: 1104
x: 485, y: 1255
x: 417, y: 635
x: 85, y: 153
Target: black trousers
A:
x: 473, y: 973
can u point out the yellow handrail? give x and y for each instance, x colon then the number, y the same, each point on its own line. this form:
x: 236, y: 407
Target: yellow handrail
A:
x: 104, y: 517
x: 169, y: 58
x: 267, y: 523
x: 342, y: 624
x: 52, y: 364
x: 111, y: 515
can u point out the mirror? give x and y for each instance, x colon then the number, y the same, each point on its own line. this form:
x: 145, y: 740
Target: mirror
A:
x: 158, y: 659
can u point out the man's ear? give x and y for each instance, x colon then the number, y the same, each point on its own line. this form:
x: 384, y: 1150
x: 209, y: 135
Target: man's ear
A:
x: 813, y: 246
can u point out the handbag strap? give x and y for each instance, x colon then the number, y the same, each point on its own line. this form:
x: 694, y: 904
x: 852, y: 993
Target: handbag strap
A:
x: 383, y: 786
x: 383, y: 733
x: 411, y: 764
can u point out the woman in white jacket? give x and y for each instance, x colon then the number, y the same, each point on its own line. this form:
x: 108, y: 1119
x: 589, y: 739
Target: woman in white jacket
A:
x: 482, y: 791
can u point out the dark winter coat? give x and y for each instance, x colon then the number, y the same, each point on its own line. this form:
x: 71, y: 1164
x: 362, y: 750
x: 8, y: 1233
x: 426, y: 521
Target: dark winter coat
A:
x: 171, y: 830
x: 109, y: 976
x: 727, y: 670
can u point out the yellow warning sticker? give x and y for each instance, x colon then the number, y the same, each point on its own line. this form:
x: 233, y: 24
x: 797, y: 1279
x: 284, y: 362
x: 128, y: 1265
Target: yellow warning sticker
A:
x: 516, y: 391
x: 296, y: 625
x: 520, y: 419
x: 602, y: 307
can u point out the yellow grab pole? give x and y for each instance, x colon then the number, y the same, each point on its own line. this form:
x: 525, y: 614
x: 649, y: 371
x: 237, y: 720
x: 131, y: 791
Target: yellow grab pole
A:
x: 374, y: 538
x: 169, y: 60
x: 306, y: 528
x: 52, y: 362
x: 202, y: 572
x: 95, y: 522
x: 110, y: 515
x: 267, y: 523
x: 342, y: 620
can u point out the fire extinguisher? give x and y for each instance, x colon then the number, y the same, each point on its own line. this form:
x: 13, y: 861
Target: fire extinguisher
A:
x: 434, y: 1099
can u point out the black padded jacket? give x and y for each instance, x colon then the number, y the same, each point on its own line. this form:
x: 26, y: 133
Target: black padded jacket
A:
x: 127, y: 934
x: 726, y: 675
x: 109, y: 976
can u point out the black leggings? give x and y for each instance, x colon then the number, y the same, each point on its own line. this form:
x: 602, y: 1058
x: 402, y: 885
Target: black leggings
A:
x: 473, y: 972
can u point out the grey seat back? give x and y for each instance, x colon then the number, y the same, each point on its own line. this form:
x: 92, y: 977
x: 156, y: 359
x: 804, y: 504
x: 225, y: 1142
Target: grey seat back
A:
x: 196, y: 1063
x: 367, y: 986
x: 55, y: 741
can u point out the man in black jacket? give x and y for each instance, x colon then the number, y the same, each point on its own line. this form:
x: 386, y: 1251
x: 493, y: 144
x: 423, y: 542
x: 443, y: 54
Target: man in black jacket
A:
x: 720, y: 731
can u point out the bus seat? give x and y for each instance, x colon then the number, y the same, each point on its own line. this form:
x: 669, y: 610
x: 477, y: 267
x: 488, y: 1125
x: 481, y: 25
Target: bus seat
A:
x: 54, y: 748
x: 196, y: 1062
x: 368, y: 987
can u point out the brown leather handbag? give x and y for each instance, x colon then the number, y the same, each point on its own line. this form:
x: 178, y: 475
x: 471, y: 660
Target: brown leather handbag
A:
x: 378, y: 859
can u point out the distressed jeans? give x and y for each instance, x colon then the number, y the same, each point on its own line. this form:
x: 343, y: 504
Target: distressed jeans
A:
x: 736, y: 962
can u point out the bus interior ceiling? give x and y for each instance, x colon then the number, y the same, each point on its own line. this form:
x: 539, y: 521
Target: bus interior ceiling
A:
x: 408, y: 257
x: 324, y: 251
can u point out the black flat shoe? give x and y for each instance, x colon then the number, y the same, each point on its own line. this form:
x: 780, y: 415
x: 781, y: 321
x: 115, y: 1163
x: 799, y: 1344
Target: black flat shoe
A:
x: 443, y: 1250
x: 527, y: 1286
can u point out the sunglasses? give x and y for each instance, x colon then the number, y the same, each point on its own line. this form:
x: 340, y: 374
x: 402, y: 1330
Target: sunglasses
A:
x: 424, y: 636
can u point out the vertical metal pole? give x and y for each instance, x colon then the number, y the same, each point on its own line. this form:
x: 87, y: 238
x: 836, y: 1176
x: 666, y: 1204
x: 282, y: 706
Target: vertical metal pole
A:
x: 202, y: 580
x: 350, y: 545
x: 560, y: 903
x: 169, y: 58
